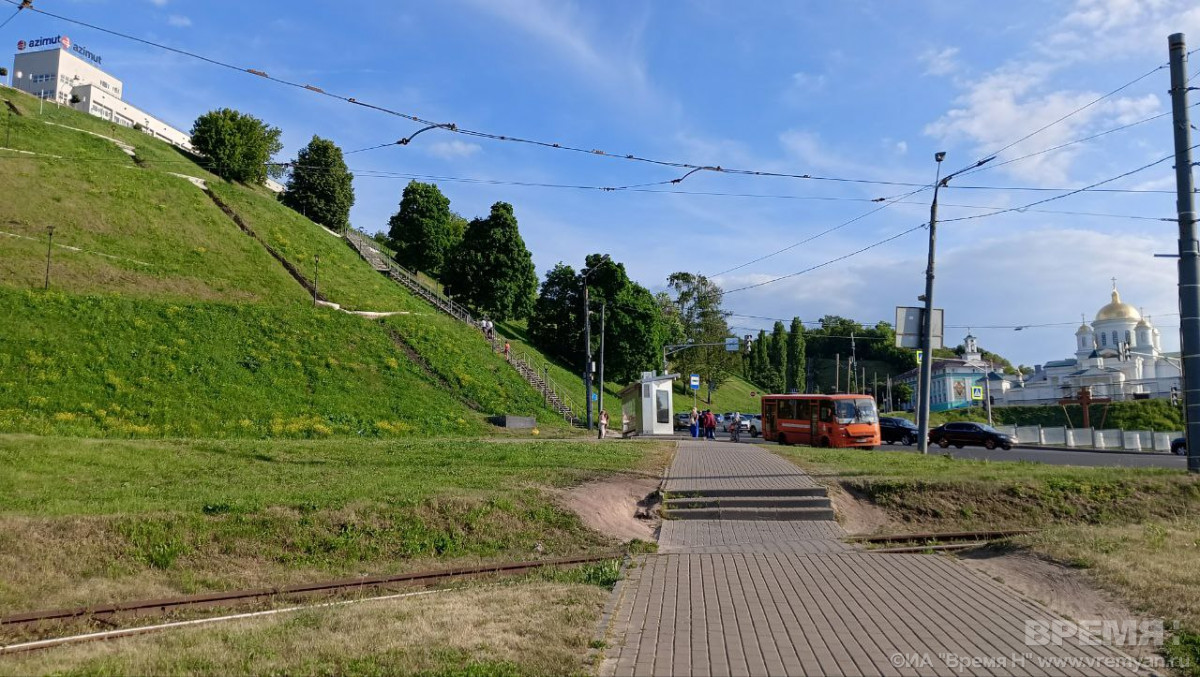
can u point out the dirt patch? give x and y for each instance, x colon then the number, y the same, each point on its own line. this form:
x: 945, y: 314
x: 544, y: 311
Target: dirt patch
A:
x: 1065, y: 591
x: 856, y: 513
x: 611, y: 506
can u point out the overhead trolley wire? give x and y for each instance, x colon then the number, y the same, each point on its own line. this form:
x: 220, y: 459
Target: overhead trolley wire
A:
x: 455, y: 128
x: 964, y: 218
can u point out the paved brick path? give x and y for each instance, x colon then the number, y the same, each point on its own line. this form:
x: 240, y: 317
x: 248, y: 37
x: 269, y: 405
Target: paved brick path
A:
x: 790, y: 598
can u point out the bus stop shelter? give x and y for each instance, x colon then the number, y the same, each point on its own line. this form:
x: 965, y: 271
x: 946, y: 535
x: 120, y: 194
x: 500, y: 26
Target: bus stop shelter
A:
x: 646, y: 405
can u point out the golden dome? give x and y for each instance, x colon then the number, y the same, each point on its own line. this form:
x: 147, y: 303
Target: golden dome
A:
x: 1117, y: 310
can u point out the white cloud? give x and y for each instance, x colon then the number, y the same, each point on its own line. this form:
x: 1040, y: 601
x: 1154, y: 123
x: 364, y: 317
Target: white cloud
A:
x: 179, y: 21
x: 453, y: 150
x: 940, y: 62
x: 1013, y: 101
x: 159, y: 3
x: 608, y: 59
x: 809, y: 81
x: 901, y: 147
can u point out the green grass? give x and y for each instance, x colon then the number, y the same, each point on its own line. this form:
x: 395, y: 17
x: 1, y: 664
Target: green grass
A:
x: 533, y: 628
x: 146, y: 233
x: 190, y: 515
x: 151, y: 152
x: 113, y: 366
x: 173, y: 244
x: 733, y: 395
x: 344, y: 278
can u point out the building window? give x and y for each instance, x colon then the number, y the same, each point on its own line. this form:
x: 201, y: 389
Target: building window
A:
x: 1103, y: 339
x: 1116, y: 341
x: 1128, y: 337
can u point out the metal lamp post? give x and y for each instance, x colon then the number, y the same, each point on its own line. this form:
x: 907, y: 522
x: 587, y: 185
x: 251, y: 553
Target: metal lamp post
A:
x: 927, y: 318
x: 587, y: 340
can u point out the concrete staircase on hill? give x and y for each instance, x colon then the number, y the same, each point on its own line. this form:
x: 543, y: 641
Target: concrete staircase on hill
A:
x: 554, y: 396
x: 802, y: 503
x: 729, y: 481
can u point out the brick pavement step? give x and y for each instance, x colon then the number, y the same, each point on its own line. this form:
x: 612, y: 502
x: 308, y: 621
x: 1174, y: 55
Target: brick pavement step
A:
x: 748, y: 502
x: 751, y: 514
x: 748, y: 492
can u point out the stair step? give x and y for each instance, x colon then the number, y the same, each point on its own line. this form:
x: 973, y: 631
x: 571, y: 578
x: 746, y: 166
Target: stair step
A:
x: 795, y: 492
x: 748, y: 502
x: 780, y: 514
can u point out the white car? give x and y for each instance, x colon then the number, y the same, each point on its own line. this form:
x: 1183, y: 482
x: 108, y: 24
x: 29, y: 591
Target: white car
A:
x: 725, y: 421
x: 754, y: 423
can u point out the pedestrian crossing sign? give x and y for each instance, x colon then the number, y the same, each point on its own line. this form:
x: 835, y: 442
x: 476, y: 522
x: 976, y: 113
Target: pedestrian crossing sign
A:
x: 977, y: 392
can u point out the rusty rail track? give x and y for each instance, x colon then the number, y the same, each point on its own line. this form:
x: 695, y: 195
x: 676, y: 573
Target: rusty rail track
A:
x: 236, y: 597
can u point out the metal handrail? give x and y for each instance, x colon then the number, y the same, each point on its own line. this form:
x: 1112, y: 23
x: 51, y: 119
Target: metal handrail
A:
x: 360, y: 241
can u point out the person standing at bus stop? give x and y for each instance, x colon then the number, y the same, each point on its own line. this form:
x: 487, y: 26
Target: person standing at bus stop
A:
x: 694, y: 423
x: 710, y: 425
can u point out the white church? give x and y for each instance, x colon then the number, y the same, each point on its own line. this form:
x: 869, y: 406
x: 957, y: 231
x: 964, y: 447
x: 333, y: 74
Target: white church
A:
x: 1118, y: 356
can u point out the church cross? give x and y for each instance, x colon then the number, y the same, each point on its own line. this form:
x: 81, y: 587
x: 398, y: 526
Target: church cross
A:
x: 1114, y: 281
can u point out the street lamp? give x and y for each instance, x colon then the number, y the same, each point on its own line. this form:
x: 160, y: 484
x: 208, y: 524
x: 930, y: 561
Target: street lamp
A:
x: 587, y: 340
x: 927, y: 318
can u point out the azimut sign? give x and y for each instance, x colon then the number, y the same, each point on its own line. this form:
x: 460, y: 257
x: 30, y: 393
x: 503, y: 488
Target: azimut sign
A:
x: 61, y: 41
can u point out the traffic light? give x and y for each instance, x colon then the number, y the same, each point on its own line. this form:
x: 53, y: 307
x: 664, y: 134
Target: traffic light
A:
x: 1174, y: 396
x: 749, y: 339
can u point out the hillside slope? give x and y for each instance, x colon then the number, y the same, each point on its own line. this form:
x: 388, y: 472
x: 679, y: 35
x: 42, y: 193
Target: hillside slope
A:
x: 161, y: 305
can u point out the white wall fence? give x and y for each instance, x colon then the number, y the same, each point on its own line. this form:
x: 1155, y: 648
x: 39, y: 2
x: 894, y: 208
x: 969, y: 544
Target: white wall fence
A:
x: 1129, y: 440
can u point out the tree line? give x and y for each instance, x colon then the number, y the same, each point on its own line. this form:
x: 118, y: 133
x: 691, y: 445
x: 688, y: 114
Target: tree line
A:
x: 484, y: 263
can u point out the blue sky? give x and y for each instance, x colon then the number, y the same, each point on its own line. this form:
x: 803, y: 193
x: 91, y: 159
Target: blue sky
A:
x: 863, y: 90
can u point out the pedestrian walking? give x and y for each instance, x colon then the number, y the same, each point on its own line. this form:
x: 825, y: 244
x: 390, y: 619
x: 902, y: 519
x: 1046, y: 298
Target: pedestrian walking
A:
x: 694, y: 422
x: 735, y: 429
x: 710, y: 425
x: 603, y: 423
x: 507, y: 351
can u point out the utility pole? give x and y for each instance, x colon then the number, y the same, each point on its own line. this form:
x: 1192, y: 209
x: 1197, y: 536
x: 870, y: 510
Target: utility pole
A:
x: 837, y: 372
x: 927, y: 321
x: 987, y: 392
x: 49, y: 248
x: 587, y: 354
x: 1189, y: 250
x: 603, y: 309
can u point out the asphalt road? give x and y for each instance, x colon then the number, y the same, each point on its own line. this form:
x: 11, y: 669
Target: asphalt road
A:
x: 1038, y: 455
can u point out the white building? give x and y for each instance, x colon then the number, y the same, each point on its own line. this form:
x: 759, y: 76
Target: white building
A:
x: 70, y: 75
x: 1119, y: 356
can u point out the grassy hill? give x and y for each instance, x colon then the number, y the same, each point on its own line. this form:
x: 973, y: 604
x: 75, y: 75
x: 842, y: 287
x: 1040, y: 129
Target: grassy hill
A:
x: 733, y: 395
x: 164, y: 318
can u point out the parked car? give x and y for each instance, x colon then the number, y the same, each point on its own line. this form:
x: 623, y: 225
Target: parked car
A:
x: 724, y: 421
x: 1179, y: 446
x: 683, y: 419
x: 754, y: 424
x: 902, y: 430
x: 973, y: 434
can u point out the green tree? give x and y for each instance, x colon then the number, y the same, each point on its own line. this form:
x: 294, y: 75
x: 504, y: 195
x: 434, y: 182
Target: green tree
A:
x: 491, y: 269
x: 902, y: 393
x: 633, y: 331
x: 238, y: 147
x: 320, y: 186
x: 698, y: 305
x: 633, y: 334
x: 424, y: 231
x: 556, y: 324
x: 794, y: 357
x: 777, y: 349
